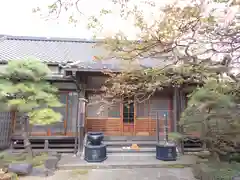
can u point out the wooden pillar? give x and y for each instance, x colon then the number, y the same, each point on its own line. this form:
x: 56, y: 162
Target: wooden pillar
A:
x: 175, y: 109
x: 82, y: 106
x: 179, y: 104
x: 182, y: 101
x: 66, y: 116
x: 170, y: 115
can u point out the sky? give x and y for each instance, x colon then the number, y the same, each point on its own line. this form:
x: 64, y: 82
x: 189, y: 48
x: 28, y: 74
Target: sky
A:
x: 17, y: 18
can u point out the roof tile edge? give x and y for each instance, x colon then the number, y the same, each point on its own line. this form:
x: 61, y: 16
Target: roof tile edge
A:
x: 60, y: 39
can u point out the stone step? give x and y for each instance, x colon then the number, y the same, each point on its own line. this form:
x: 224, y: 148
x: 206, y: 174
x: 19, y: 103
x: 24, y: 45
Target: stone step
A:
x: 132, y: 156
x: 129, y: 143
x: 150, y: 149
x: 122, y: 150
x: 193, y: 149
x: 126, y: 161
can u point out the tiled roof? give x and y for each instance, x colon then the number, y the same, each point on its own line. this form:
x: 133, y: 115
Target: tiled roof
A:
x: 57, y: 51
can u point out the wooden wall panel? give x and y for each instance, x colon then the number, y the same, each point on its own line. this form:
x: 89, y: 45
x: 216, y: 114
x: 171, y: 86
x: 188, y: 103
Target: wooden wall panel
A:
x: 109, y: 126
x: 148, y: 127
x: 128, y: 129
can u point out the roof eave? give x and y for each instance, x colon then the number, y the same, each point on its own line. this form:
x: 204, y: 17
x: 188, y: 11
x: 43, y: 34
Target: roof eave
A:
x: 91, y: 70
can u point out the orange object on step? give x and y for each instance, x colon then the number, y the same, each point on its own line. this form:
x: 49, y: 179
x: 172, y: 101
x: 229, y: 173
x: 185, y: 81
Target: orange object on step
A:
x: 135, y: 147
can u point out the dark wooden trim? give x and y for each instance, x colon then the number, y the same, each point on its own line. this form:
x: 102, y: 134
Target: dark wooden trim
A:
x: 66, y: 116
x: 60, y: 80
x: 19, y: 137
x: 67, y: 90
x: 94, y: 90
x: 13, y: 118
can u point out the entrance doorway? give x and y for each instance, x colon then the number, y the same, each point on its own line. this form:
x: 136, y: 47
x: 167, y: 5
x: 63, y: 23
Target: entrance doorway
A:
x: 128, y: 119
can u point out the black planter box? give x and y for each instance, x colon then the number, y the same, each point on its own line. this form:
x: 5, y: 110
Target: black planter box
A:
x: 95, y: 153
x: 95, y: 138
x: 166, y: 152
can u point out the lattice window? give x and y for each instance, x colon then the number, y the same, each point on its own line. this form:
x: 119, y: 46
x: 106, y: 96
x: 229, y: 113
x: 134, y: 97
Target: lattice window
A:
x: 142, y: 109
x: 114, y: 110
x: 59, y: 126
x: 72, y: 111
x: 98, y: 107
x: 158, y: 107
x: 128, y: 112
x: 5, y: 129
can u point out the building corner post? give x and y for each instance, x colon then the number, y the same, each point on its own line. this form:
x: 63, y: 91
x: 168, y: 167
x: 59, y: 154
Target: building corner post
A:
x: 81, y: 118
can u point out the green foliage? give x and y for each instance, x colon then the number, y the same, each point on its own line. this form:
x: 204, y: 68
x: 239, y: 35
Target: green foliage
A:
x: 44, y: 116
x: 28, y: 69
x: 23, y: 88
x: 212, y: 111
x: 9, y: 158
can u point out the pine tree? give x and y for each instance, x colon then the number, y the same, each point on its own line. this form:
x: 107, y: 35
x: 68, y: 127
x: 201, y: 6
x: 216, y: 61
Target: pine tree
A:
x: 213, y: 113
x: 24, y: 89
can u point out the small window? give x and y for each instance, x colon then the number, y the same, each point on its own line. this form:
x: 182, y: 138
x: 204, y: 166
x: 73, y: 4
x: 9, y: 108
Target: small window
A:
x: 128, y: 112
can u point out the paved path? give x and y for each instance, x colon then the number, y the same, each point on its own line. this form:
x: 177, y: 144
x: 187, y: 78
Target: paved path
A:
x: 121, y: 161
x: 120, y: 174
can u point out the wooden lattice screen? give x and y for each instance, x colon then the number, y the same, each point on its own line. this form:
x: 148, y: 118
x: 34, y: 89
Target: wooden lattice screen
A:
x: 67, y: 125
x: 5, y: 129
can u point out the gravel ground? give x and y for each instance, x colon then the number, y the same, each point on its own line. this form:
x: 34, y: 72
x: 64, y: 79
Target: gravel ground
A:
x: 118, y: 174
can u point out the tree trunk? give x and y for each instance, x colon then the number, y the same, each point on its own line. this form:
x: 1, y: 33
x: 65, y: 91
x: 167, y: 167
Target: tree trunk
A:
x: 26, y: 142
